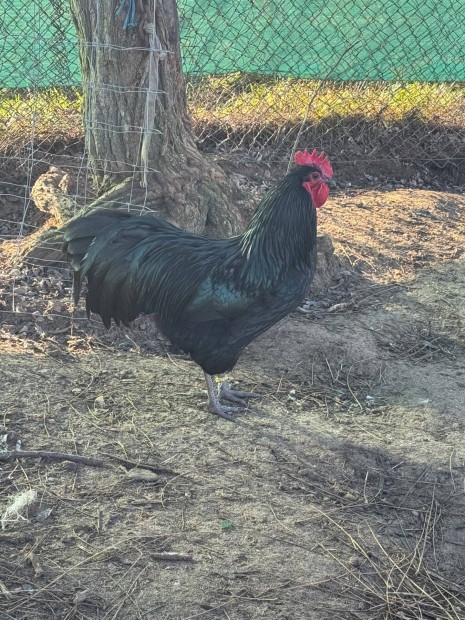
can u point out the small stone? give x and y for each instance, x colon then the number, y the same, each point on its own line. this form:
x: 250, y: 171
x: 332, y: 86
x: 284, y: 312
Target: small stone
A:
x: 350, y: 496
x: 142, y: 475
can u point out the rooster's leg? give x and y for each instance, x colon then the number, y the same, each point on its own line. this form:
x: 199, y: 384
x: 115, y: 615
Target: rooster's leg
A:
x: 236, y: 396
x: 214, y: 401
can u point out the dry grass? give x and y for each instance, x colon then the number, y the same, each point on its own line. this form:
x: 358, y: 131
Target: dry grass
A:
x: 242, y: 99
x: 41, y: 116
x: 414, y: 121
x: 359, y: 531
x: 397, y: 584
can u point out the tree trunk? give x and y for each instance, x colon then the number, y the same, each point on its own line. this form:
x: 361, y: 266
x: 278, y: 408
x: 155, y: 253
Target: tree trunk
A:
x: 139, y: 140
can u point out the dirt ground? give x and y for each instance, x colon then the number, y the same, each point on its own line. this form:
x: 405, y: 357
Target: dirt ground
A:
x: 339, y: 494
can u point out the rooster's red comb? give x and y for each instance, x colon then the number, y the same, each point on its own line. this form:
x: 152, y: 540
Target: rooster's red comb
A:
x: 304, y: 158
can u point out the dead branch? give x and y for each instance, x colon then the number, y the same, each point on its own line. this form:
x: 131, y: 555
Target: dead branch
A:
x: 138, y: 464
x: 172, y: 556
x: 15, y: 455
x: 92, y: 461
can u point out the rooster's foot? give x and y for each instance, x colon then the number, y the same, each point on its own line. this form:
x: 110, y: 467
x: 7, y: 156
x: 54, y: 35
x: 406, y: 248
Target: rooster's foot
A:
x: 236, y: 396
x: 224, y: 391
x: 222, y: 411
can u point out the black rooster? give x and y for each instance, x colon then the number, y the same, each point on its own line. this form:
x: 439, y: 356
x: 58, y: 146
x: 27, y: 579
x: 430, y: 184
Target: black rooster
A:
x: 210, y: 297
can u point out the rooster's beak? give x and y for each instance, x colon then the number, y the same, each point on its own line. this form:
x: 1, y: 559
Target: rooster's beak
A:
x: 330, y: 183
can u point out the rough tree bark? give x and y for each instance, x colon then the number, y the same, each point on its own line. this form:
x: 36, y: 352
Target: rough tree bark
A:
x: 139, y: 140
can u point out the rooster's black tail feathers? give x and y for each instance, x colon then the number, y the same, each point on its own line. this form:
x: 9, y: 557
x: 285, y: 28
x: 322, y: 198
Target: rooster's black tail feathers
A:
x: 136, y: 265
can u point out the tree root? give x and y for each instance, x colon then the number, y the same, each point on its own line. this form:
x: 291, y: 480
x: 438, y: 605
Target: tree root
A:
x: 194, y: 197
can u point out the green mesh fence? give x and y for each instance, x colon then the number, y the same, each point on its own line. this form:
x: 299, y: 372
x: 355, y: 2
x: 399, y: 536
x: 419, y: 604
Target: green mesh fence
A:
x: 37, y: 44
x: 378, y: 39
x: 367, y: 80
x: 388, y: 40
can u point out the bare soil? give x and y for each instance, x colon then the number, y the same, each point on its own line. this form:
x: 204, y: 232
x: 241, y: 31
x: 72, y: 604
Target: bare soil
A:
x: 338, y: 494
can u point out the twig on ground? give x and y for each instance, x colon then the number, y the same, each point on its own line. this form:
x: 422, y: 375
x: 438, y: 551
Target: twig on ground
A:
x: 172, y: 556
x: 154, y: 468
x: 92, y: 461
x: 15, y: 455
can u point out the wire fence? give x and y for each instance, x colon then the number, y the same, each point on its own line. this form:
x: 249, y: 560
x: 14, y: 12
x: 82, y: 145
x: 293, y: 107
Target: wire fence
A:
x: 379, y: 82
x: 387, y: 40
x: 384, y: 77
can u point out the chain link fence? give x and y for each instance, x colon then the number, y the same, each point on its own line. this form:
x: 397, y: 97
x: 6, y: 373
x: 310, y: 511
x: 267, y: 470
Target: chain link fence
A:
x: 386, y: 40
x: 379, y: 81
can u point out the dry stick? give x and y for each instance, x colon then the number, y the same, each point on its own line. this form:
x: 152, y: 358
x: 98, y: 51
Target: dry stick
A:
x: 312, y: 99
x: 172, y: 556
x: 77, y: 458
x: 154, y: 468
x: 54, y: 456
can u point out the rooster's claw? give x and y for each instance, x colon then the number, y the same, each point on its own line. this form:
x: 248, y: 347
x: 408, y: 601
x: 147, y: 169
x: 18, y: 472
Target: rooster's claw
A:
x: 236, y: 396
x: 224, y: 391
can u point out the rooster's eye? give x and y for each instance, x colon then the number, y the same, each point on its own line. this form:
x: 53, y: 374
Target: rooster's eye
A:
x: 315, y: 176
